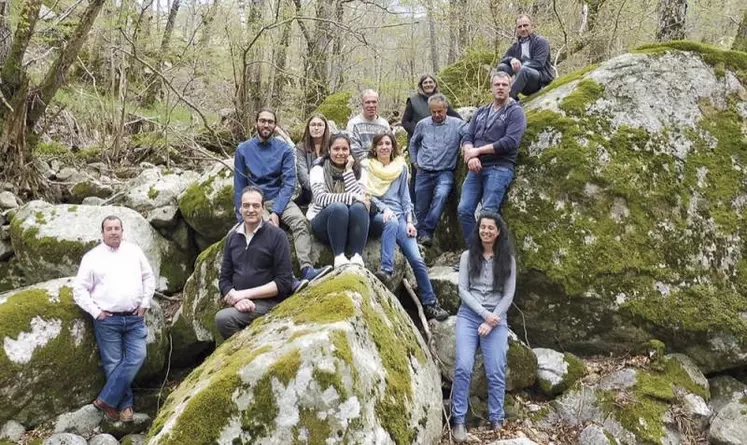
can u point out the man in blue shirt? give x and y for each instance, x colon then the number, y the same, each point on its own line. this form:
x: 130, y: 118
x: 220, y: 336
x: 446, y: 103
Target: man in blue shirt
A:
x: 268, y: 163
x: 434, y: 149
x: 491, y: 146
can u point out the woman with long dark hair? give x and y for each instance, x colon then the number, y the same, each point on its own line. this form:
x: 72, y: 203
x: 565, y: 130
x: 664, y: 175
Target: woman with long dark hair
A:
x: 339, y: 209
x: 312, y: 146
x: 387, y: 185
x: 487, y: 280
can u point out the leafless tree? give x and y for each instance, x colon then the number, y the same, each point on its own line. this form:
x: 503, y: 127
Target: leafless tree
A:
x: 740, y: 41
x: 672, y: 19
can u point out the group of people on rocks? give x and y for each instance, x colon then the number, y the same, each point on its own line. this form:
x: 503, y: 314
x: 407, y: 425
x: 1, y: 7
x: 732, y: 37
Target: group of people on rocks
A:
x: 354, y: 184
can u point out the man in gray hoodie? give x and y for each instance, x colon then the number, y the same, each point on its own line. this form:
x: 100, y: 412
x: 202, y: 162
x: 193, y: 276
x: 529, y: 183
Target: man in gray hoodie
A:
x: 363, y: 127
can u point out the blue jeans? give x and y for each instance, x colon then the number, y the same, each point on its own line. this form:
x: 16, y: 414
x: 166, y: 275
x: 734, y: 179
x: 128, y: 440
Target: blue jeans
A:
x: 494, y: 347
x: 432, y: 190
x: 395, y: 230
x: 122, y: 347
x: 488, y: 185
x: 341, y: 226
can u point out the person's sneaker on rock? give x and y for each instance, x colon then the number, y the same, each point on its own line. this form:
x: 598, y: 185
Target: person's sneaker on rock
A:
x: 312, y: 274
x: 299, y: 285
x: 435, y: 311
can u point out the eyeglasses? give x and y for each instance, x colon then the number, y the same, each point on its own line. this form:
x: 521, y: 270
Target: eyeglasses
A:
x: 266, y: 121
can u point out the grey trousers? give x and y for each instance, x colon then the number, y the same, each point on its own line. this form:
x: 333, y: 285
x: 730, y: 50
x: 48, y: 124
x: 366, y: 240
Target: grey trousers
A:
x: 526, y: 82
x: 296, y: 221
x: 229, y: 320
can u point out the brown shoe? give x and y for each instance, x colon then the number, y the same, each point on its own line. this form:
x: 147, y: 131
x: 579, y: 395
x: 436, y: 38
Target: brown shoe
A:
x: 109, y: 412
x: 126, y: 415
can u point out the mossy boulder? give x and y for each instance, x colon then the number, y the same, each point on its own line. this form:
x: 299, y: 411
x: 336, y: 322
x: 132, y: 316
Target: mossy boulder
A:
x: 50, y: 241
x: 467, y: 81
x: 49, y: 362
x: 207, y: 204
x: 521, y: 371
x: 557, y: 371
x: 340, y: 362
x: 336, y: 107
x: 628, y: 203
x: 193, y: 328
x: 11, y: 275
x: 154, y: 189
x: 445, y: 281
x: 724, y: 390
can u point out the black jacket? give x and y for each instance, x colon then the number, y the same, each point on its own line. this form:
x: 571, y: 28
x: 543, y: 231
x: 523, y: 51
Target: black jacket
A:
x: 416, y: 110
x: 539, y: 49
x: 266, y: 258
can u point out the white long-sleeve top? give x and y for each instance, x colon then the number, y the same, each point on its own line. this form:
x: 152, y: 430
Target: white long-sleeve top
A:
x: 114, y: 280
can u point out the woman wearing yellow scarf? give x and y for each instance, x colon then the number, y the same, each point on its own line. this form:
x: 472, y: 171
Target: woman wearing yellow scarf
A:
x: 393, y: 218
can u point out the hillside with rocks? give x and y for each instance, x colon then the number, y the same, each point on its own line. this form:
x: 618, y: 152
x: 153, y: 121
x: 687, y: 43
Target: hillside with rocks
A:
x: 629, y: 325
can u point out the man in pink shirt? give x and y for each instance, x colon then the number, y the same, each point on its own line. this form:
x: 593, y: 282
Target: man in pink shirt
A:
x: 115, y: 284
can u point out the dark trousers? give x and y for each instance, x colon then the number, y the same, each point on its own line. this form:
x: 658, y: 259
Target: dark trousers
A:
x: 230, y: 320
x: 527, y: 82
x: 342, y: 226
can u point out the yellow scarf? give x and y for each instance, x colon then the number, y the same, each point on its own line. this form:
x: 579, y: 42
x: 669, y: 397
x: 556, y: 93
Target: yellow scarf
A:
x: 380, y: 177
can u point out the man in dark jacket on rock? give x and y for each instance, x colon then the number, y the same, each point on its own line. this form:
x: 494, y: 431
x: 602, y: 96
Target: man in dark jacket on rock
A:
x: 528, y: 60
x: 256, y: 271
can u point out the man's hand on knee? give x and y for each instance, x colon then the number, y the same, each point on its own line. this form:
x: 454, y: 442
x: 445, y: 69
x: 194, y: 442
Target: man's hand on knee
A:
x: 244, y: 306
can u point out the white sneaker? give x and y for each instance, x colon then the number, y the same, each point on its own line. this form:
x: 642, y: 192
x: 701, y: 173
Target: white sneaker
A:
x: 341, y: 260
x: 357, y: 259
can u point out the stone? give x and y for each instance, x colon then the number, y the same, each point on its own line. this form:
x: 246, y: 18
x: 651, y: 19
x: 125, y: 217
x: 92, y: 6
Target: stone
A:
x: 697, y: 411
x: 163, y: 217
x: 445, y: 283
x: 8, y: 200
x: 49, y: 362
x: 12, y: 431
x: 156, y: 188
x: 726, y: 389
x: 340, y: 362
x: 729, y: 427
x: 66, y: 173
x: 103, y: 439
x: 521, y: 367
x: 594, y: 435
x: 50, y: 240
x: 557, y: 371
x: 207, y: 204
x: 82, y: 422
x: 518, y: 441
x: 11, y: 276
x: 688, y: 365
x: 618, y: 212
x: 43, y: 168
x: 6, y: 247
x: 92, y: 201
x: 86, y: 186
x: 134, y: 439
x: 622, y: 379
x: 65, y: 439
x: 140, y: 424
x: 193, y: 327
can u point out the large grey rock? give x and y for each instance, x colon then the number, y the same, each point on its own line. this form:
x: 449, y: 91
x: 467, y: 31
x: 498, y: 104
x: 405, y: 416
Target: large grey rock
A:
x: 557, y: 371
x: 81, y: 422
x: 50, y: 240
x: 726, y: 389
x: 12, y: 431
x: 593, y: 435
x: 622, y: 379
x: 65, y: 439
x: 697, y: 411
x: 134, y: 439
x: 207, y: 204
x: 103, y: 439
x: 688, y: 365
x: 155, y: 188
x: 7, y: 200
x: 86, y: 186
x: 340, y: 362
x: 445, y: 283
x: 620, y: 211
x: 521, y: 368
x: 49, y: 362
x: 729, y: 427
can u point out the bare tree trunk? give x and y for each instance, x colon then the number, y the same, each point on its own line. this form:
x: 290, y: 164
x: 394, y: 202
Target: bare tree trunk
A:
x: 207, y: 24
x: 155, y: 85
x: 435, y: 65
x: 740, y: 41
x: 279, y: 78
x: 12, y: 73
x: 6, y: 36
x: 57, y: 73
x: 338, y: 43
x: 672, y: 20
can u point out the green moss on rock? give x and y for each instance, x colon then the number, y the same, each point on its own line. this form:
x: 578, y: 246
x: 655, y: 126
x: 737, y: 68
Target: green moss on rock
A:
x: 323, y: 303
x: 522, y: 365
x: 718, y: 58
x: 586, y: 93
x: 336, y: 107
x: 467, y: 81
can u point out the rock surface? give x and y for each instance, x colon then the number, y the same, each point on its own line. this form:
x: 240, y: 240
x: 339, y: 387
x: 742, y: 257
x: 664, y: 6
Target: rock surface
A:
x: 594, y: 435
x: 207, y: 204
x: 65, y: 439
x: 50, y: 240
x: 81, y: 422
x: 339, y: 363
x: 729, y: 427
x: 724, y: 390
x: 557, y: 371
x: 140, y: 424
x: 628, y: 203
x: 103, y: 439
x: 12, y: 431
x: 49, y: 362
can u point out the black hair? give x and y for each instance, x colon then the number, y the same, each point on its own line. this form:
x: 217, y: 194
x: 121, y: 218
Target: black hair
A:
x: 325, y: 156
x: 503, y: 251
x: 253, y: 188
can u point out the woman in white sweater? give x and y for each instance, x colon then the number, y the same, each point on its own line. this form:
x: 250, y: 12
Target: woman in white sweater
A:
x: 339, y: 208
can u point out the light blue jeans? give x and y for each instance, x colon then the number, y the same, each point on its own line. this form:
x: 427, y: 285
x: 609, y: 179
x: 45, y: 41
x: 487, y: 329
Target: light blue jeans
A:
x: 489, y: 185
x: 122, y: 347
x: 494, y: 347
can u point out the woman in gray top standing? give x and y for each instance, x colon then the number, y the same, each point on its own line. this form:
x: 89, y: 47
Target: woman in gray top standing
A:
x: 312, y: 147
x: 487, y: 280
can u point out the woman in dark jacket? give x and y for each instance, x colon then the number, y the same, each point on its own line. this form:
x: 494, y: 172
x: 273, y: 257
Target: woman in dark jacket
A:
x: 417, y: 109
x: 312, y: 147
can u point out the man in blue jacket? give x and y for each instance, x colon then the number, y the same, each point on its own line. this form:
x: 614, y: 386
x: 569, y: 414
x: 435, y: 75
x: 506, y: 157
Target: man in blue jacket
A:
x: 528, y: 59
x: 268, y: 163
x: 491, y: 146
